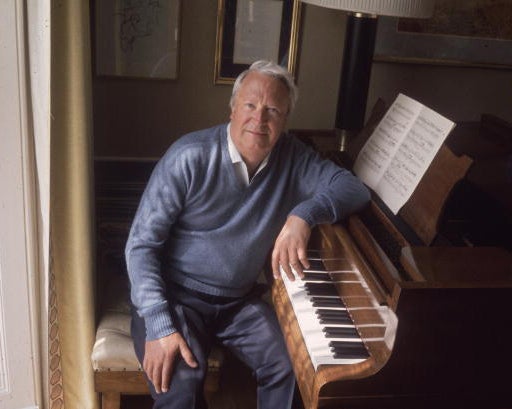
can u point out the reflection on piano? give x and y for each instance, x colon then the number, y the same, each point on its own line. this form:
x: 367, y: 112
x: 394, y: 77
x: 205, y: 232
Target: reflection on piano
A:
x: 392, y: 315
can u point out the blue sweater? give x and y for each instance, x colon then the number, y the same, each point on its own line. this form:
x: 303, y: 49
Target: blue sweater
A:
x: 199, y: 226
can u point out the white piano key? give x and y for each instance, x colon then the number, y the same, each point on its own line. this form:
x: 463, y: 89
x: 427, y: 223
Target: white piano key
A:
x: 312, y: 331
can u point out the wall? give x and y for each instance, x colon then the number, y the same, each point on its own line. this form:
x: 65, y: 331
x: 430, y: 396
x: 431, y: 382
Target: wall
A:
x: 137, y: 118
x: 461, y: 94
x: 20, y: 306
x: 142, y: 117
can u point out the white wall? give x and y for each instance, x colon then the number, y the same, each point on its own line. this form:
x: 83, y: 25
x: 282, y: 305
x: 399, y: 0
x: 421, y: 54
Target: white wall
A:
x: 19, y: 364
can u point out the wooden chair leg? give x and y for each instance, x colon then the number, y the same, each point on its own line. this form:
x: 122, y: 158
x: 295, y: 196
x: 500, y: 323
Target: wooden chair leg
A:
x: 110, y: 400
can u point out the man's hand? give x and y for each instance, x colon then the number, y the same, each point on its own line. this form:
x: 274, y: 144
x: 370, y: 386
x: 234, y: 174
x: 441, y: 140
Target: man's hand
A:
x: 290, y: 248
x: 160, y: 358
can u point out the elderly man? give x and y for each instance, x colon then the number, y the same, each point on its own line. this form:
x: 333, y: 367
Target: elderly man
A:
x: 218, y: 203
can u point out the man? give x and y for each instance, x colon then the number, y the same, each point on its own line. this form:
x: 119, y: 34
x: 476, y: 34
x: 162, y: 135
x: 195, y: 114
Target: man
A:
x: 218, y: 202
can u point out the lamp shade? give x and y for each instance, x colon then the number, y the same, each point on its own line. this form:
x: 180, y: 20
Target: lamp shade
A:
x: 397, y: 8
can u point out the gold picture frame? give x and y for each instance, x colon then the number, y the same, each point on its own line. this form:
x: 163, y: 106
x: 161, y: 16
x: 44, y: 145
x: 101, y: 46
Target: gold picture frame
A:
x: 249, y: 30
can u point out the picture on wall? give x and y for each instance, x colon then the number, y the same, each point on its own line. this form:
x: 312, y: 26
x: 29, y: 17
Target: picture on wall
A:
x: 249, y: 30
x: 137, y: 38
x: 461, y: 32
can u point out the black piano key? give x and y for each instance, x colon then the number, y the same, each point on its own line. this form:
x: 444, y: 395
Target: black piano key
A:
x: 329, y: 320
x: 351, y: 354
x: 316, y: 265
x: 325, y: 318
x: 346, y: 349
x: 347, y: 345
x: 327, y: 302
x: 314, y: 276
x: 320, y: 289
x: 334, y: 320
x: 322, y: 312
x: 340, y: 332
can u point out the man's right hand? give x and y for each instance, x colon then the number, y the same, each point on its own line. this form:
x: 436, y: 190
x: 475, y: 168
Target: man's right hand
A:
x: 160, y: 358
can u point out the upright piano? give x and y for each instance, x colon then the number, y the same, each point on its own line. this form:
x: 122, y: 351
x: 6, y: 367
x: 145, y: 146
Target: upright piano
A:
x: 391, y: 314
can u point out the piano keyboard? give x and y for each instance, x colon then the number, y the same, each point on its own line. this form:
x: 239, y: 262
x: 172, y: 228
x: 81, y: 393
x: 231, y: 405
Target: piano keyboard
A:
x: 329, y: 333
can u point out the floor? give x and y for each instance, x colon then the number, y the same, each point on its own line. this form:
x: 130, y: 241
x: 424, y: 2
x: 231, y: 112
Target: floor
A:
x: 237, y: 390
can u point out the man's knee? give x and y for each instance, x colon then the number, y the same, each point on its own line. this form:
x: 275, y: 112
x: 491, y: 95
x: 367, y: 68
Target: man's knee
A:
x: 186, y: 389
x: 275, y: 368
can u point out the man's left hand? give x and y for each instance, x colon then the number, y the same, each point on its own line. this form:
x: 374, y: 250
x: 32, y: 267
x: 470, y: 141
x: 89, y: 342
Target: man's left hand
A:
x: 290, y: 248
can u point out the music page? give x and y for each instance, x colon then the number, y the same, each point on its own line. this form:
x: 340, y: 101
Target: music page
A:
x: 402, y: 146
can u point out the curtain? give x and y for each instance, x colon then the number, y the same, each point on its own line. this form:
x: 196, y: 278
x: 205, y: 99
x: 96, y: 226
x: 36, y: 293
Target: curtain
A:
x: 71, y: 211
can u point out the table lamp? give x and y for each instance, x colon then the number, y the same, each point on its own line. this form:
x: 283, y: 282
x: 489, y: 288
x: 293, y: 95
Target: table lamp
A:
x: 358, y: 52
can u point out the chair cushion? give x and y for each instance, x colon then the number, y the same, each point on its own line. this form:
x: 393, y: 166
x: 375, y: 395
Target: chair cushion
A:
x: 113, y: 349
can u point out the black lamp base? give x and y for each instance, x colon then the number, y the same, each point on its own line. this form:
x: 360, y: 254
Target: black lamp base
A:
x: 356, y: 70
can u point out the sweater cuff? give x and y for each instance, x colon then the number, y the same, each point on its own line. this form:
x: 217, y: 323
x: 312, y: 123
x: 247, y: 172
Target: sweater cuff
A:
x: 311, y: 215
x: 158, y: 323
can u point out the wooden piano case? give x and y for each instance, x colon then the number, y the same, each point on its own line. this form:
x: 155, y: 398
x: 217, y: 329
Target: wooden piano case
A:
x: 448, y: 305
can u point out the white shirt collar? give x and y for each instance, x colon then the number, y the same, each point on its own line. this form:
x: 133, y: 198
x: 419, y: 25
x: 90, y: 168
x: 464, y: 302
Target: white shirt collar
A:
x: 233, y: 151
x: 240, y: 166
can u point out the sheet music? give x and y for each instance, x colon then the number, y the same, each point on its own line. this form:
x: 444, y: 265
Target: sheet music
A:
x: 398, y: 153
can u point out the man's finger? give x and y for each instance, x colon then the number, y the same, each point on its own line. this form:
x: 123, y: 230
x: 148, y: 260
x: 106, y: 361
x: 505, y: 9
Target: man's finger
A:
x: 285, y: 266
x: 284, y: 263
x: 156, y: 377
x: 275, y: 264
x: 167, y: 370
x: 151, y: 372
x: 303, y: 258
x: 296, y: 264
x: 187, y: 355
x: 281, y: 263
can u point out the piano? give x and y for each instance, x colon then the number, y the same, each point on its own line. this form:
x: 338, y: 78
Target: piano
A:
x: 392, y: 314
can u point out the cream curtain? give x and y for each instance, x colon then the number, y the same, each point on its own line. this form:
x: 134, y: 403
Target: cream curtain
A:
x: 71, y: 214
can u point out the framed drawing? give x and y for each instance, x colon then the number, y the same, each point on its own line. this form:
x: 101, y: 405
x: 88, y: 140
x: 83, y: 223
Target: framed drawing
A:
x: 137, y: 38
x: 249, y: 30
x: 474, y: 33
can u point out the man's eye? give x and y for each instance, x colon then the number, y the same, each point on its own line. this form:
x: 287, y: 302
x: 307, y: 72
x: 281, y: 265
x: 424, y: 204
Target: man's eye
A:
x: 249, y: 105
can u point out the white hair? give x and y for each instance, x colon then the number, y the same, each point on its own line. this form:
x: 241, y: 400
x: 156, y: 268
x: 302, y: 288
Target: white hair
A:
x: 272, y: 70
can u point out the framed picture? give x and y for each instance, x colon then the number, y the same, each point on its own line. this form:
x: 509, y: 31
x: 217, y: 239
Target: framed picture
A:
x: 474, y: 33
x: 249, y: 30
x: 137, y: 38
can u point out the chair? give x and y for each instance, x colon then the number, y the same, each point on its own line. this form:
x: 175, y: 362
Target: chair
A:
x: 116, y: 368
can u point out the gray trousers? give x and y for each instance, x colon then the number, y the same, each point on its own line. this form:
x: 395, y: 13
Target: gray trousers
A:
x: 247, y: 326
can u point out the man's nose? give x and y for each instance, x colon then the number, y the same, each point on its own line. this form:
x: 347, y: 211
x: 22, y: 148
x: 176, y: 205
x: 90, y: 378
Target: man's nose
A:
x: 260, y: 115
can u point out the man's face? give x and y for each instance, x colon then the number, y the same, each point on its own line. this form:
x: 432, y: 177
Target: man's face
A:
x: 258, y: 115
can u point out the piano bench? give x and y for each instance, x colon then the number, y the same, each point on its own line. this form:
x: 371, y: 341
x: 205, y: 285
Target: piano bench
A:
x: 116, y: 368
